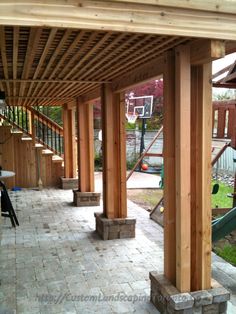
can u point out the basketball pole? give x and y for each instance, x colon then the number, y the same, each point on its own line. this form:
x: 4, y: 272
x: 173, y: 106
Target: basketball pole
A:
x: 142, y: 142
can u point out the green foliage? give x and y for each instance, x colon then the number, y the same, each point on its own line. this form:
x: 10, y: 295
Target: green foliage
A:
x: 224, y: 94
x: 130, y: 126
x: 228, y: 253
x: 98, y: 161
x: 52, y: 112
x: 130, y: 164
x: 155, y: 122
x: 220, y: 199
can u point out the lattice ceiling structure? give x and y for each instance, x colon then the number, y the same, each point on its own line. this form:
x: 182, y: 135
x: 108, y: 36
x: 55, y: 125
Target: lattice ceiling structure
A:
x: 51, y: 65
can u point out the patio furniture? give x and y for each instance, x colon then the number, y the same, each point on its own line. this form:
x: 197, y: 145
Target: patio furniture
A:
x: 7, y: 209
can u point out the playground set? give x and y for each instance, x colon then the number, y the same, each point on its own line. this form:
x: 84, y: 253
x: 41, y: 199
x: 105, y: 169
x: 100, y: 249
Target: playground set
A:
x: 223, y: 134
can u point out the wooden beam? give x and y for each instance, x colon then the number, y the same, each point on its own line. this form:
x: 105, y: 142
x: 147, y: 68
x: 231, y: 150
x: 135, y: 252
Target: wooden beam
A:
x: 40, y: 97
x: 70, y: 150
x: 182, y: 171
x: 4, y: 56
x: 229, y: 78
x: 147, y: 72
x: 184, y: 20
x: 93, y: 95
x: 114, y: 154
x: 224, y: 85
x: 230, y: 47
x: 169, y: 168
x: 204, y: 51
x: 52, y: 81
x: 201, y: 126
x: 85, y: 146
x: 210, y: 5
x: 15, y: 56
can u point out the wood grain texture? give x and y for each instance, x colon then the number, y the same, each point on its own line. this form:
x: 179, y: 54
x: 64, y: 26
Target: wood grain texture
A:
x: 70, y: 148
x: 169, y: 168
x: 209, y: 19
x: 114, y: 153
x: 85, y: 146
x: 182, y: 171
x: 201, y: 122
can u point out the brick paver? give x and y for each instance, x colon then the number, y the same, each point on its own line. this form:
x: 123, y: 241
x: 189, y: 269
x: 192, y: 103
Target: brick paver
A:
x: 56, y: 263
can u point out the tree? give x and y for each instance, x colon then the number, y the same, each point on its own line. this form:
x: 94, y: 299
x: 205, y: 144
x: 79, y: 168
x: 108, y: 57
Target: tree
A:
x: 155, y: 89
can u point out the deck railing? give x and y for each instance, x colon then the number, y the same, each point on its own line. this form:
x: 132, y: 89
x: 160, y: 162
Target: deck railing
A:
x: 224, y: 121
x: 37, y: 125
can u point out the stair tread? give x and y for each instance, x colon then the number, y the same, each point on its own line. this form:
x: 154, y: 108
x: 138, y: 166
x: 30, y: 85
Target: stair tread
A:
x: 57, y: 158
x: 47, y: 152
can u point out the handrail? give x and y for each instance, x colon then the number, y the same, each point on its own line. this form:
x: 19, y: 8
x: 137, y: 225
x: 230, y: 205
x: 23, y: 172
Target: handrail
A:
x: 36, y: 124
x: 44, y: 117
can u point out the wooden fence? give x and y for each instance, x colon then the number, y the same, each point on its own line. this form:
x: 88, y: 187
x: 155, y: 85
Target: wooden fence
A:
x: 224, y: 120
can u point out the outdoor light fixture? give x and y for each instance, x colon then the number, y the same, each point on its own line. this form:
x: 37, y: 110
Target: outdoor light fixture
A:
x: 2, y: 101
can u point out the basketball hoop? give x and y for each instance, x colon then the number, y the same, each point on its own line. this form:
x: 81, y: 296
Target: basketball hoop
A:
x: 139, y: 107
x: 131, y: 118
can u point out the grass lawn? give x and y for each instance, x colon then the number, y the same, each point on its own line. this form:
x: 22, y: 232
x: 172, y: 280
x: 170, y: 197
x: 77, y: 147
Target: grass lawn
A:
x: 228, y: 253
x: 146, y: 198
x: 220, y: 199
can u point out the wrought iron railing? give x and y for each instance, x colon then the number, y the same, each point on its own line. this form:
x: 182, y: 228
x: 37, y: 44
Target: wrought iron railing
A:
x: 36, y: 124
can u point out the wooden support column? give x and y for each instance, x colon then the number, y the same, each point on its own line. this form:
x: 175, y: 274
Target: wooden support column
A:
x: 169, y: 168
x: 177, y: 167
x: 114, y: 154
x: 32, y: 126
x: 182, y: 170
x: 201, y: 126
x: 85, y: 146
x: 70, y: 163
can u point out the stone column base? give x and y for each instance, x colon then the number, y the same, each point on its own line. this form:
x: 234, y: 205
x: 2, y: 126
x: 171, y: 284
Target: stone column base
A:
x: 69, y: 183
x: 168, y: 299
x: 119, y: 228
x: 86, y: 198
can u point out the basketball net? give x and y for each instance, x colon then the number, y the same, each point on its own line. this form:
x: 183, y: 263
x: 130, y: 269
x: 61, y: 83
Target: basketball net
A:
x: 131, y: 117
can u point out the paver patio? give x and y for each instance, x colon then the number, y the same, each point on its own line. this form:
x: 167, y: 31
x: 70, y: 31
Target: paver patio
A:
x: 55, y: 258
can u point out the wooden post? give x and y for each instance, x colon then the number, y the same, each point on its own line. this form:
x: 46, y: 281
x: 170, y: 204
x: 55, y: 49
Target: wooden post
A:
x: 85, y: 146
x: 169, y: 167
x: 32, y: 126
x: 201, y: 126
x: 70, y: 164
x: 114, y: 154
x: 182, y: 170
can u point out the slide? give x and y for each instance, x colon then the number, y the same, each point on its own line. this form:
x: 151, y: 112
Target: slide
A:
x: 224, y: 225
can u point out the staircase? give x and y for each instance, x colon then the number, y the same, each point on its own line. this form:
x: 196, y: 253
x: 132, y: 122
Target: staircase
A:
x: 36, y: 125
x: 28, y: 137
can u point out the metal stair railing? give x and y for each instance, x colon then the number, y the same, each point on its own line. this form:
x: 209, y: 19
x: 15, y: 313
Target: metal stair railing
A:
x: 37, y: 125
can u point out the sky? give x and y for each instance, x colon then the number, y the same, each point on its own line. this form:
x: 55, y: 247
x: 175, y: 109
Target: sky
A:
x: 223, y: 62
x: 217, y: 66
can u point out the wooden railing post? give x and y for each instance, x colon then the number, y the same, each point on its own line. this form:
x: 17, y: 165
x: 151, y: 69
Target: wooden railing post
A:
x: 70, y: 164
x: 32, y: 126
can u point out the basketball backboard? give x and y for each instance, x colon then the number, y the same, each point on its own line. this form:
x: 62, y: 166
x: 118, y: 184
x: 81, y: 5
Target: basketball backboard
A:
x: 140, y: 107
